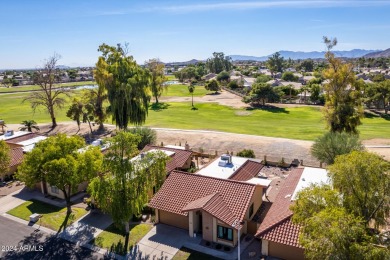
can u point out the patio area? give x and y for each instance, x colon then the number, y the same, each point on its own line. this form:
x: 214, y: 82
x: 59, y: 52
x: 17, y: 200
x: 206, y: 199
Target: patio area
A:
x: 163, y: 242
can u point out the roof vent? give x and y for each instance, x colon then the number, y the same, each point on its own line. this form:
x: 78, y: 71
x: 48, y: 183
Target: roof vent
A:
x: 303, y: 179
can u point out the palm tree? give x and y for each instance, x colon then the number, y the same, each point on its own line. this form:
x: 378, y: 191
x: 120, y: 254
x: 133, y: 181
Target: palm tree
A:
x: 29, y: 125
x: 191, y: 89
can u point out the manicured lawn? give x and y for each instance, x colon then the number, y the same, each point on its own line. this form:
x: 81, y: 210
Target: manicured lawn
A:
x: 182, y: 91
x: 170, y: 77
x: 13, y: 111
x: 113, y: 238
x: 188, y: 254
x: 34, y: 87
x: 305, y: 123
x: 52, y: 217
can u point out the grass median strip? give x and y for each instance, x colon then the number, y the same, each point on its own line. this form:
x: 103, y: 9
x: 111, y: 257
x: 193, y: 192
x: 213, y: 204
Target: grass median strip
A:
x: 113, y: 238
x: 52, y: 217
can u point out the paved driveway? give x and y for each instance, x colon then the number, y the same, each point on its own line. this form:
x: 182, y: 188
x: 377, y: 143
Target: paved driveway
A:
x: 162, y: 242
x: 18, y: 241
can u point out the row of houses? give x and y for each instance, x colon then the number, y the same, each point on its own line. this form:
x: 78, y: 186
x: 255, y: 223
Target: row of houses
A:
x: 225, y: 198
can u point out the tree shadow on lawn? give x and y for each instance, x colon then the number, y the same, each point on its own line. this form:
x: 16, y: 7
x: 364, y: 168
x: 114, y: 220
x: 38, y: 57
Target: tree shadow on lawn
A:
x: 268, y: 108
x: 213, y: 94
x: 121, y: 248
x: 375, y: 114
x: 159, y: 106
x: 38, y: 246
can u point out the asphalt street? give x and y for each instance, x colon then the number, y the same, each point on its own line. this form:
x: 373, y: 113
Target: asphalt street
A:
x: 18, y: 241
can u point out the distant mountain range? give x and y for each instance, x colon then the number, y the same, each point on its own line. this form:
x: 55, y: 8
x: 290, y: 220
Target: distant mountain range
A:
x: 378, y: 54
x: 295, y: 55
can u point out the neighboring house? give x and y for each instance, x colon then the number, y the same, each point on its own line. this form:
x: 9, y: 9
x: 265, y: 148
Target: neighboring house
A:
x: 210, y: 76
x: 181, y: 157
x: 212, y: 207
x: 248, y: 82
x: 279, y: 236
x: 16, y: 158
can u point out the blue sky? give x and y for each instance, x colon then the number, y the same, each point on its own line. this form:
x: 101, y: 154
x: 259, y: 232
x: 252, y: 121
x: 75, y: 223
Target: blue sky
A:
x: 181, y: 30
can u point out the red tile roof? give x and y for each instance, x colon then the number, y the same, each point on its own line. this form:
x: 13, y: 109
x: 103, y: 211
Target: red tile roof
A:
x: 185, y: 190
x: 16, y: 156
x: 280, y: 212
x: 247, y: 171
x: 178, y: 159
x: 22, y: 138
x: 215, y: 206
x: 285, y: 232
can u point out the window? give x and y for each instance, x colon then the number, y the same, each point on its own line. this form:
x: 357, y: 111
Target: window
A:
x: 251, y: 210
x: 54, y: 189
x: 225, y: 233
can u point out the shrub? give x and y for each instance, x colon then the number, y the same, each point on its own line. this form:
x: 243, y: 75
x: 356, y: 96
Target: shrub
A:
x: 148, y: 136
x: 248, y: 153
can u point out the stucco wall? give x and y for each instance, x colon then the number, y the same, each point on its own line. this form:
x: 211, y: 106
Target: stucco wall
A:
x: 207, y: 226
x: 256, y: 200
x: 173, y: 219
x: 284, y: 251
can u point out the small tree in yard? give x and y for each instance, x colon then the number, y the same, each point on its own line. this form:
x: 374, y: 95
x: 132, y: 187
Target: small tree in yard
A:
x: 212, y: 86
x: 57, y: 161
x: 122, y: 191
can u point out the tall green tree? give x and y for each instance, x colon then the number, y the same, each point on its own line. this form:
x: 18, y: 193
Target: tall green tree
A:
x: 364, y: 181
x: 212, y: 86
x: 262, y: 93
x: 219, y: 62
x: 275, y: 63
x: 127, y: 85
x: 156, y: 68
x: 48, y: 97
x: 331, y: 231
x: 97, y: 97
x: 343, y: 107
x: 29, y: 125
x: 4, y: 156
x: 123, y: 189
x: 58, y: 161
x: 327, y: 147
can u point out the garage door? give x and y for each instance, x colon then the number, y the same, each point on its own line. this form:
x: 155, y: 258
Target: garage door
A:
x: 173, y: 219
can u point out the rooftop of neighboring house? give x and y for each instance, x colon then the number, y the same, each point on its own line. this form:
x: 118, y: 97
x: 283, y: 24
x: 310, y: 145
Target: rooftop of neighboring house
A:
x: 9, y: 135
x: 277, y: 225
x: 179, y: 155
x: 227, y: 200
x: 235, y: 168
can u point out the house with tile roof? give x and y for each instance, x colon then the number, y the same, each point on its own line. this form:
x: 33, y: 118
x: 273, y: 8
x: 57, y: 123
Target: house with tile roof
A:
x: 181, y: 157
x: 19, y: 143
x: 279, y: 236
x: 214, y: 208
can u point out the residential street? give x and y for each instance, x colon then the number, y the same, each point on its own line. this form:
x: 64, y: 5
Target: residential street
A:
x: 19, y: 241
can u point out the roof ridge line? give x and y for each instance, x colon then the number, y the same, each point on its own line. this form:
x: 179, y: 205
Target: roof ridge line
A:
x: 215, y: 178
